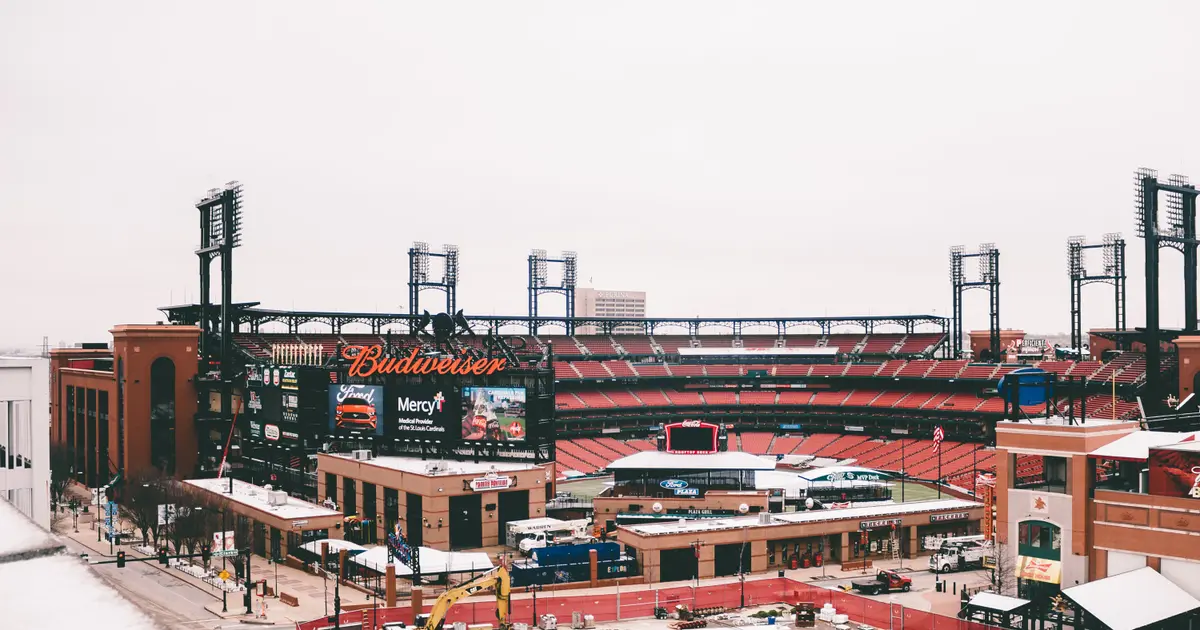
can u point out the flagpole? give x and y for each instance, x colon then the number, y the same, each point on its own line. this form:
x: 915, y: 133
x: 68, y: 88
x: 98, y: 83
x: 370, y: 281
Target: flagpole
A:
x: 903, y: 472
x: 939, y: 479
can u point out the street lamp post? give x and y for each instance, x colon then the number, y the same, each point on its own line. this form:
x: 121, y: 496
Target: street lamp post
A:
x: 224, y: 591
x: 534, y: 588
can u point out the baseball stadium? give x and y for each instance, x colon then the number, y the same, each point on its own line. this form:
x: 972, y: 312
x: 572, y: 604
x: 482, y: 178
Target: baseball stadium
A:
x: 851, y: 435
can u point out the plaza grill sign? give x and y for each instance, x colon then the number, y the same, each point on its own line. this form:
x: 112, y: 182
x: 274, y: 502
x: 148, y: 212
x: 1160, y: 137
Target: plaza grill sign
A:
x: 491, y: 482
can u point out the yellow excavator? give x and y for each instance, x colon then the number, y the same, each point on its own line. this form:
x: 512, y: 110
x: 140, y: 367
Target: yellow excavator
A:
x: 497, y: 579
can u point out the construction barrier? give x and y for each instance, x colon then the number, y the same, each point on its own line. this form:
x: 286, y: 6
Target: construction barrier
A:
x: 640, y: 603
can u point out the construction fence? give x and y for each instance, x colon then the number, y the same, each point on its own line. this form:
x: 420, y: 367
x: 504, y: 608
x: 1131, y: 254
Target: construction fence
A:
x: 640, y: 601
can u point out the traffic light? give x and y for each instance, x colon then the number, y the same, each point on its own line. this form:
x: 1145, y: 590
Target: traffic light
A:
x: 120, y: 559
x: 205, y: 553
x: 162, y: 556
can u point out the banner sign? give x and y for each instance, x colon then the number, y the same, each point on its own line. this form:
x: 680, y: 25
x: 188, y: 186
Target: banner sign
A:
x: 1174, y: 473
x: 223, y: 541
x: 951, y: 516
x: 1039, y: 570
x: 883, y: 522
x: 491, y: 482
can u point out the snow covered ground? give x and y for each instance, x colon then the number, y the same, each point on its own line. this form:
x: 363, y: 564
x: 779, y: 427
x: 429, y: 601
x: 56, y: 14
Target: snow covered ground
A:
x: 56, y: 590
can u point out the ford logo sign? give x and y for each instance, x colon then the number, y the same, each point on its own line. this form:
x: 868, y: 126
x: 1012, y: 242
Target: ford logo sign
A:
x: 673, y: 484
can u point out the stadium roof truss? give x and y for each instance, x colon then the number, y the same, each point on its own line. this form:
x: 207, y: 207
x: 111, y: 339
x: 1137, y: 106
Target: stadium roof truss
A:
x: 249, y: 318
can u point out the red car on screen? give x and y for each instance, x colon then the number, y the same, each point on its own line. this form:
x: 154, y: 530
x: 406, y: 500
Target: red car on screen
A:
x: 355, y: 413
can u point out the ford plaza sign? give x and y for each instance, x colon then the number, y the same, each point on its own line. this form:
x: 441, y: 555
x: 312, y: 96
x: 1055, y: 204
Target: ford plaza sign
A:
x: 680, y: 487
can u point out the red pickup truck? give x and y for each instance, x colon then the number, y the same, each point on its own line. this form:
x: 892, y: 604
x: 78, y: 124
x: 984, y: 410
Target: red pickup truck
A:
x: 884, y: 582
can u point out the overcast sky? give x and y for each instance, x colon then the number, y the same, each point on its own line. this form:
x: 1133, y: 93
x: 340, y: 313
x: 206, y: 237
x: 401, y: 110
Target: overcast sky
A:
x: 737, y: 158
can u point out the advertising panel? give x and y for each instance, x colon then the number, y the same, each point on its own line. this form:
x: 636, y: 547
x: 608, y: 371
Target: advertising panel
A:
x: 420, y: 411
x: 1175, y: 473
x: 356, y: 409
x: 493, y: 413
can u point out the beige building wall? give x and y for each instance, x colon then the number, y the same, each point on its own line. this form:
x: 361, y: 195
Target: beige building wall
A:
x: 598, y: 303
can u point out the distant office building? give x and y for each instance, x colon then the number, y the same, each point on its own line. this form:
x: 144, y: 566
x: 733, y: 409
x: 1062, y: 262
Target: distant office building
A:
x: 25, y: 437
x: 597, y: 303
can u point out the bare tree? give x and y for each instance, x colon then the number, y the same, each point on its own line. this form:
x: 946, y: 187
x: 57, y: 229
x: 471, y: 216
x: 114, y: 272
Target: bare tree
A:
x: 1004, y: 571
x: 144, y: 492
x: 62, y: 466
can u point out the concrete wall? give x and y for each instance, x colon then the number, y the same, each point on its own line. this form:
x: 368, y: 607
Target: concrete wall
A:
x: 1059, y: 510
x: 25, y: 432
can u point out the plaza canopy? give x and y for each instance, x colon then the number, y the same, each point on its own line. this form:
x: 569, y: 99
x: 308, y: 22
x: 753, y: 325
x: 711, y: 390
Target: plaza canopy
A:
x: 433, y: 561
x: 996, y: 609
x: 1135, y: 447
x: 1142, y: 598
x: 335, y: 545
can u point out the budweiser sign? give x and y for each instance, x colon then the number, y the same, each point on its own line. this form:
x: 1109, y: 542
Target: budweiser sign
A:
x: 368, y: 360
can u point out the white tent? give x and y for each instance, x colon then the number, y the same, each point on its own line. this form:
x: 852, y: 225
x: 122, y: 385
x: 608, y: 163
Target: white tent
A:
x: 335, y: 545
x: 1132, y: 600
x: 433, y: 561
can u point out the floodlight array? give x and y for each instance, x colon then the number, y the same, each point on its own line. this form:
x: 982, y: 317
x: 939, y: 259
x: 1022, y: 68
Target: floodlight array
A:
x: 1139, y: 196
x: 1075, y: 266
x: 570, y: 269
x: 1112, y: 243
x: 956, y: 265
x: 450, y: 253
x: 1174, y: 204
x: 420, y: 261
x: 987, y: 267
x: 538, y: 259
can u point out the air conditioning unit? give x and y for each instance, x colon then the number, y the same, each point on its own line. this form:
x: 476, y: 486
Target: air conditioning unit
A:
x: 277, y: 498
x: 433, y: 468
x: 765, y: 518
x: 362, y: 455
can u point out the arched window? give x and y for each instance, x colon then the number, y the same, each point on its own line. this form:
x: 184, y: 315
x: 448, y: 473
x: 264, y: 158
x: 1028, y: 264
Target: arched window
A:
x: 162, y: 415
x: 1039, y: 539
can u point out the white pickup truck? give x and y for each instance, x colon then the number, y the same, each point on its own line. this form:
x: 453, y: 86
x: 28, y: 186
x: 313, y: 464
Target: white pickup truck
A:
x: 958, y: 557
x: 542, y: 539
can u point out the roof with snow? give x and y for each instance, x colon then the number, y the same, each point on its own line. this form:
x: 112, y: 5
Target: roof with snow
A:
x: 997, y: 602
x: 34, y: 569
x: 1132, y: 600
x: 253, y: 496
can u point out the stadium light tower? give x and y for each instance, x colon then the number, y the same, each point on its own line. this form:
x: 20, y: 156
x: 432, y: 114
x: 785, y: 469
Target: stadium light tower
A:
x: 1177, y: 232
x: 418, y: 275
x: 220, y: 232
x: 539, y: 284
x: 989, y: 278
x: 1113, y: 248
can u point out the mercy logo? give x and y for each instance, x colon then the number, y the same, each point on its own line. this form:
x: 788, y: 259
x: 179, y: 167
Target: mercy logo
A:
x: 427, y: 407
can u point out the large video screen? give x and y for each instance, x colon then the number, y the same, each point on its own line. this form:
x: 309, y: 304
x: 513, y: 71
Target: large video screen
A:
x: 494, y: 414
x: 691, y: 437
x: 356, y: 409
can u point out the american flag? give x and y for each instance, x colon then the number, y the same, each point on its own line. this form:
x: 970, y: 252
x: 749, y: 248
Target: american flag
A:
x: 938, y: 436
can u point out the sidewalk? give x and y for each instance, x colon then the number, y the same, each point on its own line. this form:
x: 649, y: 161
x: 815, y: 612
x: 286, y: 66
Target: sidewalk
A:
x: 308, y: 589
